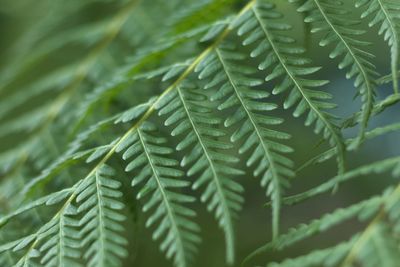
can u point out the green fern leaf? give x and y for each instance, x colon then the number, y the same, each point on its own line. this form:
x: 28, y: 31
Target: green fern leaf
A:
x: 101, y: 221
x: 331, y: 256
x: 363, y: 210
x: 285, y: 60
x: 330, y: 17
x: 386, y: 12
x: 235, y: 90
x: 382, y: 166
x: 190, y: 117
x: 62, y: 248
x: 150, y: 160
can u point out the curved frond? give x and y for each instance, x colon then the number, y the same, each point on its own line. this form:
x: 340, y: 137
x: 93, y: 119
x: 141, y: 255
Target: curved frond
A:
x: 206, y: 158
x: 330, y: 17
x: 376, y: 245
x: 386, y: 13
x: 323, y: 257
x: 53, y: 244
x: 363, y: 210
x: 379, y: 167
x: 101, y: 220
x: 149, y: 160
x: 223, y: 70
x: 284, y: 60
x: 62, y: 248
x: 185, y: 100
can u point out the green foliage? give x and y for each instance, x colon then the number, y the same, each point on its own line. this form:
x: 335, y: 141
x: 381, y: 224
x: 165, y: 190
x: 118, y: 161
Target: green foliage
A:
x: 147, y: 152
x: 385, y: 14
x: 186, y: 101
x: 329, y: 17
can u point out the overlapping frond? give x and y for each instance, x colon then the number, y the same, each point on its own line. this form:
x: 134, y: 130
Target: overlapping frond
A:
x: 53, y: 249
x: 376, y: 245
x: 379, y: 167
x: 288, y: 68
x: 89, y: 229
x: 36, y: 115
x: 363, y: 211
x: 217, y: 107
x: 324, y: 257
x: 386, y: 14
x: 205, y: 156
x: 149, y: 160
x: 326, y: 155
x: 98, y: 202
x: 62, y: 248
x: 224, y: 70
x: 331, y: 19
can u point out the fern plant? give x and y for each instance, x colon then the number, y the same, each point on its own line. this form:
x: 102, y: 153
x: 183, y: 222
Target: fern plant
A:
x: 149, y: 124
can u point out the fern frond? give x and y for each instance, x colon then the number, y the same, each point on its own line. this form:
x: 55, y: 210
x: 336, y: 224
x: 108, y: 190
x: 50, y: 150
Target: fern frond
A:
x: 149, y: 158
x: 59, y: 241
x: 285, y: 61
x: 362, y: 210
x: 48, y: 200
x: 62, y: 248
x: 6, y: 258
x: 386, y: 13
x: 73, y: 155
x: 38, y: 121
x: 53, y: 81
x: 142, y: 115
x: 98, y: 202
x: 159, y: 50
x: 380, y: 248
x: 198, y: 13
x: 46, y: 234
x: 324, y: 156
x: 188, y: 116
x: 378, y: 167
x: 378, y: 243
x: 223, y: 70
x: 76, y: 154
x: 331, y: 17
x: 215, y: 104
x: 324, y: 257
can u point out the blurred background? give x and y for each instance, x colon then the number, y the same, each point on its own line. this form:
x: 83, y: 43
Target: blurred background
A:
x: 58, y: 58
